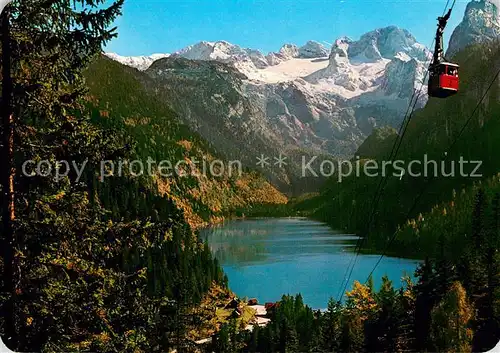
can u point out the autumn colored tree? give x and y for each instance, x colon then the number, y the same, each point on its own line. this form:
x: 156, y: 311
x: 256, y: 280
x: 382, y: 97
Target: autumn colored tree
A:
x: 450, y: 322
x: 361, y: 299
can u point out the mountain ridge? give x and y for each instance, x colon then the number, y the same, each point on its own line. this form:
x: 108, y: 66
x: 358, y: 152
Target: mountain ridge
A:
x: 225, y: 51
x: 297, y: 99
x: 481, y: 23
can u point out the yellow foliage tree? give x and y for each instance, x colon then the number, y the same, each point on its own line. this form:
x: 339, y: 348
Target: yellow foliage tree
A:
x: 361, y: 299
x: 450, y: 322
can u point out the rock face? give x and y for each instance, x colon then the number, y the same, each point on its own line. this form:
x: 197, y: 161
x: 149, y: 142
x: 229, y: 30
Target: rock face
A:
x: 313, y: 49
x: 338, y: 60
x: 211, y: 97
x: 400, y: 75
x: 289, y: 51
x: 286, y: 52
x: 481, y: 23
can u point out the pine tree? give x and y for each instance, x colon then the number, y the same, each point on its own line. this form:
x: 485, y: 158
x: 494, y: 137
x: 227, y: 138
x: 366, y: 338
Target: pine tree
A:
x: 487, y: 300
x: 47, y: 44
x: 425, y: 299
x: 253, y: 346
x: 289, y: 342
x: 383, y: 325
x: 406, y: 316
x: 444, y: 267
x: 478, y: 218
x: 331, y: 326
x: 222, y: 342
x: 352, y: 337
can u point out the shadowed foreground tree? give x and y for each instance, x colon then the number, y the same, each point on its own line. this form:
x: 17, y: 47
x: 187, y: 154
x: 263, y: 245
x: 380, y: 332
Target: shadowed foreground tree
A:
x: 82, y: 277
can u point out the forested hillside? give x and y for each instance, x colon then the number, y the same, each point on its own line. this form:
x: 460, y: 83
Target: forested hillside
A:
x: 91, y: 261
x: 119, y: 100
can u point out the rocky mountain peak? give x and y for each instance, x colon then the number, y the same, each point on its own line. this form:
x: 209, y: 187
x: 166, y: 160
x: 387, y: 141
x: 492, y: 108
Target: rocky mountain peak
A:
x: 338, y: 56
x: 388, y: 59
x: 289, y: 51
x: 286, y: 52
x: 402, y: 77
x: 481, y: 23
x: 313, y: 49
x: 386, y: 43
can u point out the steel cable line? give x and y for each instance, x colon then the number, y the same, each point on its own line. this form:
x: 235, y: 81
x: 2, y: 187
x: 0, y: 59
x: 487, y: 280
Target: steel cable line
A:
x: 415, y: 203
x: 407, y: 118
x: 383, y: 181
x: 381, y: 185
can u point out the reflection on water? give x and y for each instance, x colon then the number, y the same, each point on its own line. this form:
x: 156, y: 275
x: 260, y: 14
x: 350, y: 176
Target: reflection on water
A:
x: 265, y: 258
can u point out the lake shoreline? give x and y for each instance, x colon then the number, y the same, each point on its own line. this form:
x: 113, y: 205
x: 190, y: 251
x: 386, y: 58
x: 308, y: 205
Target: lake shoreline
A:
x: 365, y: 250
x: 267, y: 257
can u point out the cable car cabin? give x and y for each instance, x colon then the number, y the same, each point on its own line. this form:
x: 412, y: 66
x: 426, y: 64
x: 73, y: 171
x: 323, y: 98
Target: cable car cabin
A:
x: 443, y: 80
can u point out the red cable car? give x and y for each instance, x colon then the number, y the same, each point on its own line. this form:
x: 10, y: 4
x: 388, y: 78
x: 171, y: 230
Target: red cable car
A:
x: 443, y: 75
x: 443, y: 80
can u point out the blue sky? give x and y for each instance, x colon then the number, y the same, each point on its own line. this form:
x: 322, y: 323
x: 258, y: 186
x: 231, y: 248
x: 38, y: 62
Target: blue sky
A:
x: 165, y: 26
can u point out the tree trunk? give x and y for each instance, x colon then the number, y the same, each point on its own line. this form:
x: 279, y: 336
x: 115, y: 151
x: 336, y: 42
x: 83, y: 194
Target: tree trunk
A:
x: 7, y: 181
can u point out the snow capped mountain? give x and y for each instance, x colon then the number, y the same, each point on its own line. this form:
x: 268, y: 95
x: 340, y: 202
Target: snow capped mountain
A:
x: 313, y: 49
x: 341, y: 73
x: 138, y: 62
x: 340, y: 99
x: 288, y: 51
x: 354, y: 67
x: 220, y: 51
x: 223, y: 51
x: 249, y: 60
x: 386, y: 43
x: 481, y: 23
x: 324, y: 100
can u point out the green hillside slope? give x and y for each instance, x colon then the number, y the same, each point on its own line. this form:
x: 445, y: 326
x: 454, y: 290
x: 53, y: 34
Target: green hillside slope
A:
x: 120, y: 101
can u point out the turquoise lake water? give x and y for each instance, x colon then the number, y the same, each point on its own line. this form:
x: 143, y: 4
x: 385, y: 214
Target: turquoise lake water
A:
x: 266, y: 258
